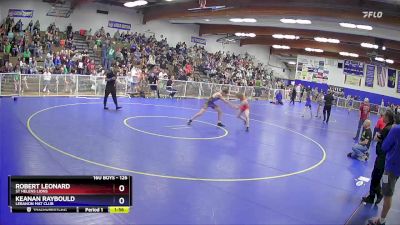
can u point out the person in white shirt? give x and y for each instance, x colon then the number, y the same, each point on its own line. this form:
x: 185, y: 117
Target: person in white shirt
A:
x: 134, y: 78
x: 47, y: 79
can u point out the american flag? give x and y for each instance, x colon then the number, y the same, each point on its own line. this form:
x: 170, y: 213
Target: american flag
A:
x: 381, y: 72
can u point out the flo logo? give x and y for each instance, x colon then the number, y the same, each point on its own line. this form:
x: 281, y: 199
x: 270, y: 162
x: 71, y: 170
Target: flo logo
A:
x: 372, y: 14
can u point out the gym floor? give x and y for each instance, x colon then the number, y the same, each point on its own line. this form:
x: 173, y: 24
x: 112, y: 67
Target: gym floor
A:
x: 286, y: 170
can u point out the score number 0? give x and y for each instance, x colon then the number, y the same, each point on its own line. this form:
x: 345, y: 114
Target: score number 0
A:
x: 121, y: 200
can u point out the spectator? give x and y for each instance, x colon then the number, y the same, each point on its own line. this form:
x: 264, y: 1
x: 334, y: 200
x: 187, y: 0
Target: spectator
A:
x: 46, y: 79
x: 170, y: 89
x: 391, y: 146
x: 328, y: 106
x: 380, y: 124
x: 360, y: 150
x: 379, y: 165
x: 365, y: 110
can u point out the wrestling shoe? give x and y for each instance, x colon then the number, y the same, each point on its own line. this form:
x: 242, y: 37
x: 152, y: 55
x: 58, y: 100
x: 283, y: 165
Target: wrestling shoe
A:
x: 118, y: 108
x: 189, y: 122
x: 375, y: 221
x: 369, y: 199
x: 105, y: 107
x: 220, y: 124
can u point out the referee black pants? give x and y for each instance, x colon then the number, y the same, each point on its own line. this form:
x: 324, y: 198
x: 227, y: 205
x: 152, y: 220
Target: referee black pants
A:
x: 376, y: 176
x: 113, y: 91
x: 327, y: 112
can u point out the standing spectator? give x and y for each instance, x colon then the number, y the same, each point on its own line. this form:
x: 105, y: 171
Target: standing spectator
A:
x: 170, y: 89
x: 328, y: 106
x: 365, y: 110
x: 379, y: 165
x: 380, y: 124
x: 302, y: 93
x: 320, y: 101
x: 293, y: 95
x: 391, y: 146
x: 153, y: 82
x: 30, y: 25
x: 47, y: 79
x: 110, y: 56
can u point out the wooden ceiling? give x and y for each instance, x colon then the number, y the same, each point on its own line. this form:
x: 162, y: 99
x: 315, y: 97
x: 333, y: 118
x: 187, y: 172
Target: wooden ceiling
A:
x: 338, y: 11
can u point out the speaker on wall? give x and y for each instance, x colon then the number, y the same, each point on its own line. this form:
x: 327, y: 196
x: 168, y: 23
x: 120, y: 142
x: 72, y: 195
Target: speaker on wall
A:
x: 340, y: 65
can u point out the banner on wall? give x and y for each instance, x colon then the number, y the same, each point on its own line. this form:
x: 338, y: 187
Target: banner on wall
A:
x: 353, y: 68
x: 398, y: 81
x: 391, y: 78
x: 198, y: 40
x: 24, y: 13
x: 353, y: 80
x: 369, y: 76
x: 381, y: 76
x: 119, y: 25
x: 312, y: 69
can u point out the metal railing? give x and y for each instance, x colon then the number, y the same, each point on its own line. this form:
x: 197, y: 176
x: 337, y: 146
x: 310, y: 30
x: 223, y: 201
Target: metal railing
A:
x: 13, y: 84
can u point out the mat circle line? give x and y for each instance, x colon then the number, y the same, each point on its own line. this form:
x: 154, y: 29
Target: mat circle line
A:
x: 37, y: 137
x: 175, y: 137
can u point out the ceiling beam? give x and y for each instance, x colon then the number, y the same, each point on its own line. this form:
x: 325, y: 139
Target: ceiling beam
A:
x: 349, y: 10
x: 307, y: 34
x: 302, y: 44
x: 325, y: 55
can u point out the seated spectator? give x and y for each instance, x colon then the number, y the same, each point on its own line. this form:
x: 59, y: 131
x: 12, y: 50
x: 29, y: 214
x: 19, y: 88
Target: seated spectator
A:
x: 360, y: 150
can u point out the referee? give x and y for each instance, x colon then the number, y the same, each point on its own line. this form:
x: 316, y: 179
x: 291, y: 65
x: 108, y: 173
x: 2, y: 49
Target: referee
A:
x: 111, y: 77
x: 328, y: 106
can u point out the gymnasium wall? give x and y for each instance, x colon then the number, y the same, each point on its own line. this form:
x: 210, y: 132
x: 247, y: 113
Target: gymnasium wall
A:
x: 337, y: 77
x: 85, y: 17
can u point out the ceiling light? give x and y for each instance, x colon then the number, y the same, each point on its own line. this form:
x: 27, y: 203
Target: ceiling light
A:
x: 383, y: 48
x: 314, y: 50
x: 135, y: 3
x: 303, y: 21
x: 329, y: 40
x: 288, y: 21
x: 368, y: 45
x: 249, y: 20
x: 281, y: 46
x: 281, y: 36
x: 169, y: 0
x: 348, y: 25
x: 292, y: 21
x: 245, y: 34
x: 236, y: 20
x: 380, y: 59
x: 364, y: 27
x: 389, y: 61
x: 207, y: 20
x: 244, y: 20
x: 351, y: 25
x: 292, y: 63
x: 348, y: 54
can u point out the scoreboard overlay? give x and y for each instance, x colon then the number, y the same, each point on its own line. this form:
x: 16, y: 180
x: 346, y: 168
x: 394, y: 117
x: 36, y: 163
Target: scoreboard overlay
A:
x: 70, y: 194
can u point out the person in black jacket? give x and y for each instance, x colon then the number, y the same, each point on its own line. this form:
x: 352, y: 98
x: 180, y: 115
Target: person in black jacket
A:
x: 379, y: 166
x: 111, y: 77
x: 293, y: 95
x: 328, y: 106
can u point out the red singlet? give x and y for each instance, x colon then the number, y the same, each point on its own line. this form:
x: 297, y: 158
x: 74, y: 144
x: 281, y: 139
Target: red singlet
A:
x: 244, y: 107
